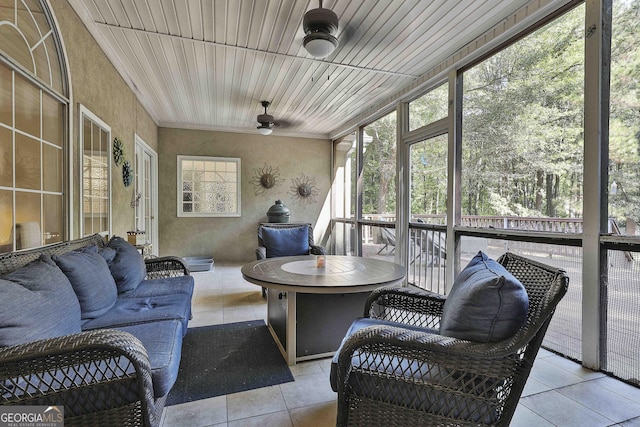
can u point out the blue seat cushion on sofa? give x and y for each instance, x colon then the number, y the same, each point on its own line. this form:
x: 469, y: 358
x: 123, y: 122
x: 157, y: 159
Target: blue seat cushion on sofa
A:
x: 164, y: 286
x: 163, y: 341
x: 127, y: 267
x: 131, y: 311
x: 355, y: 327
x: 286, y: 241
x: 37, y: 302
x: 91, y: 279
x: 486, y: 303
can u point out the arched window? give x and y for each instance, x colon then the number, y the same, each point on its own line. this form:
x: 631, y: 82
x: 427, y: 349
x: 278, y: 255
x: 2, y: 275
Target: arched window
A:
x: 34, y: 109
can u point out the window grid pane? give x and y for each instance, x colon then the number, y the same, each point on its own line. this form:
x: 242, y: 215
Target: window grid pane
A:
x: 95, y: 177
x: 32, y: 130
x: 379, y: 169
x: 429, y: 108
x: 209, y: 186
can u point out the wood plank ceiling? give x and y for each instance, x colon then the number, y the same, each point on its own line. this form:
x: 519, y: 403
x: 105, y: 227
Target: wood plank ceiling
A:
x: 207, y: 64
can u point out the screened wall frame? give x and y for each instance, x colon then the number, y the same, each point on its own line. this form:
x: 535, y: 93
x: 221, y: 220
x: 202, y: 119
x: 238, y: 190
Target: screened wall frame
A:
x: 208, y: 186
x: 597, y: 56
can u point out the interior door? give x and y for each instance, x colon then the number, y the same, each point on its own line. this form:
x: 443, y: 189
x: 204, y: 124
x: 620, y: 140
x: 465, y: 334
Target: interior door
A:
x: 145, y: 197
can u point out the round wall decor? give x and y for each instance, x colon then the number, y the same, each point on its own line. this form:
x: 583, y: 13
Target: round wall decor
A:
x: 127, y: 176
x: 118, y: 151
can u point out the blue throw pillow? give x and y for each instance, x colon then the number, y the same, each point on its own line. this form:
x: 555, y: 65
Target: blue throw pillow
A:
x: 91, y: 280
x: 486, y: 303
x: 37, y: 302
x: 286, y: 241
x: 107, y: 253
x: 127, y: 267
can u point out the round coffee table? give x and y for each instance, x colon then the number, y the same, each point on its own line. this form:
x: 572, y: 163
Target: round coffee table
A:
x: 310, y: 308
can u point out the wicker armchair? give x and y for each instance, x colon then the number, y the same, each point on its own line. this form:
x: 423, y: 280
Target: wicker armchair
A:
x: 401, y: 376
x: 101, y: 377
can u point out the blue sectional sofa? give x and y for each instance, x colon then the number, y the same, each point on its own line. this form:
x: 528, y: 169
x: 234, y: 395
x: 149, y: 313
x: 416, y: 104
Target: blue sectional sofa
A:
x: 93, y: 327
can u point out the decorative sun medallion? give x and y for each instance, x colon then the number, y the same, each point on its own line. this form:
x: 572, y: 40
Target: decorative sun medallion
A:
x: 265, y: 178
x: 118, y: 151
x: 304, y: 189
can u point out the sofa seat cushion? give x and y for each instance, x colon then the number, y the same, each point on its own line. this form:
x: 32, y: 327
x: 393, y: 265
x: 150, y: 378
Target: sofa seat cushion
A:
x: 164, y: 286
x: 37, y: 302
x: 355, y: 327
x: 131, y: 311
x: 486, y: 303
x: 127, y: 266
x: 286, y: 241
x: 163, y: 342
x: 91, y: 279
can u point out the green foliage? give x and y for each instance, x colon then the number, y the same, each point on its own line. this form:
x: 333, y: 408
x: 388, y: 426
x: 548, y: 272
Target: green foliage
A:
x: 624, y: 124
x: 379, y: 171
x: 522, y: 125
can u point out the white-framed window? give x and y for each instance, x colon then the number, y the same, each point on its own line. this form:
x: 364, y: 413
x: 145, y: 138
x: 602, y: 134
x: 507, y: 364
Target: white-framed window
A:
x: 95, y: 137
x: 34, y: 110
x: 208, y: 186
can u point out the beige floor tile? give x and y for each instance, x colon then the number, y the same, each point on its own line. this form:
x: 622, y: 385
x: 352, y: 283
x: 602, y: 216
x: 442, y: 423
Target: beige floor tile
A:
x: 255, y: 402
x: 322, y: 415
x: 277, y: 419
x: 307, y: 390
x: 200, y: 413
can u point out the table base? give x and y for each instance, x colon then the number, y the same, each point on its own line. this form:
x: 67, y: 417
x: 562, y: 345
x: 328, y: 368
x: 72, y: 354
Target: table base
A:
x: 313, y: 324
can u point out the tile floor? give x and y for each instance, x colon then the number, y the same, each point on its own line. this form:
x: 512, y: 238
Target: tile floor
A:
x: 558, y: 393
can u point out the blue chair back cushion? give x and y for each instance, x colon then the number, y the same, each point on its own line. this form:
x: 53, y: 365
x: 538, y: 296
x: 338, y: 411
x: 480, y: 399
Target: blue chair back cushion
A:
x: 486, y: 303
x: 127, y: 267
x: 286, y: 241
x: 37, y: 302
x: 91, y: 279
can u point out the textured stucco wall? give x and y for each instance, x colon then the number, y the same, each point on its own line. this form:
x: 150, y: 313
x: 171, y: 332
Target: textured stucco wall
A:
x: 96, y: 84
x: 234, y: 239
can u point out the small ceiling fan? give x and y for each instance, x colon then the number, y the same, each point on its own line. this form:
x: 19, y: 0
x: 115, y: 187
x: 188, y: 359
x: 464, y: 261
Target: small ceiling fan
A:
x: 266, y: 120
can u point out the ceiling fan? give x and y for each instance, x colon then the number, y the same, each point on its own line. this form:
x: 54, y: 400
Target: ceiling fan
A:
x: 319, y: 26
x: 266, y: 120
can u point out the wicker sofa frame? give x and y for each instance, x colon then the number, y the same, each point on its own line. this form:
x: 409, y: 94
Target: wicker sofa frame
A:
x: 100, y: 377
x: 441, y: 381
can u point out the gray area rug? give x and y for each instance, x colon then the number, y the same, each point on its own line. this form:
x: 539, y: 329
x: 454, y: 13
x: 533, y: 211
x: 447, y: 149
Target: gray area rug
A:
x: 224, y: 359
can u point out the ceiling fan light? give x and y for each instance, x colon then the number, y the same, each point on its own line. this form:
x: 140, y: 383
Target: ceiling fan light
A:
x: 264, y: 130
x: 320, y: 45
x: 320, y: 25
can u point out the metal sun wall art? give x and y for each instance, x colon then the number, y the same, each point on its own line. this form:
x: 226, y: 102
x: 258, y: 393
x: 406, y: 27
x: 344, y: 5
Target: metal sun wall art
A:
x: 265, y: 178
x: 304, y: 189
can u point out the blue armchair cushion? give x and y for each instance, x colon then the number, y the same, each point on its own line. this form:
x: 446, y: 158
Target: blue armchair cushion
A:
x: 486, y: 303
x: 286, y: 241
x: 358, y: 324
x: 91, y: 280
x: 127, y: 267
x: 37, y: 302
